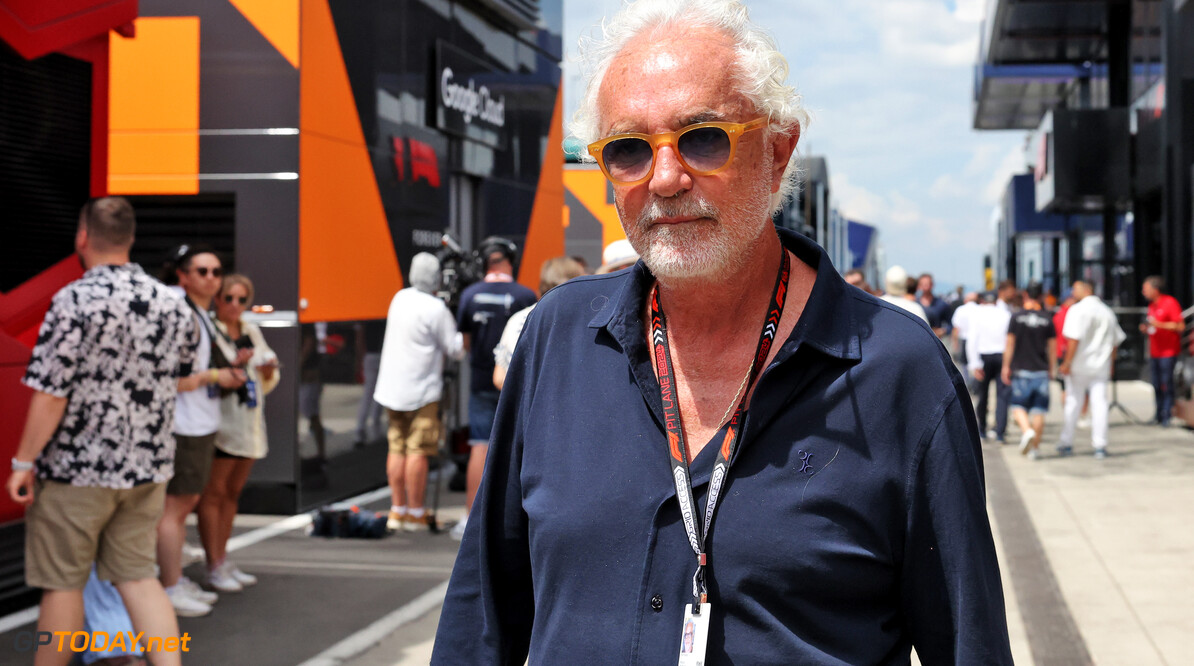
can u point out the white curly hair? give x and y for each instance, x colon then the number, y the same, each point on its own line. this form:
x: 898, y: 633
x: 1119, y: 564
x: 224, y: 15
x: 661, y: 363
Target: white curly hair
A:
x: 762, y: 77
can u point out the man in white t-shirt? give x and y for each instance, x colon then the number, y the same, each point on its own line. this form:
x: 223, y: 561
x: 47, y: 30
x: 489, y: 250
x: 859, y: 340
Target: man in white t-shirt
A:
x: 961, y: 323
x: 196, y: 420
x: 420, y: 332
x: 1093, y: 334
x: 985, y: 343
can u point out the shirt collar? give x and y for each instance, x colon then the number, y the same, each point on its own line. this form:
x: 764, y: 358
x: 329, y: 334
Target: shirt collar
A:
x: 111, y: 268
x: 827, y: 323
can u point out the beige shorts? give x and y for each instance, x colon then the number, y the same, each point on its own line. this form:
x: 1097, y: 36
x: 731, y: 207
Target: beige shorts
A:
x: 69, y: 527
x: 414, y: 432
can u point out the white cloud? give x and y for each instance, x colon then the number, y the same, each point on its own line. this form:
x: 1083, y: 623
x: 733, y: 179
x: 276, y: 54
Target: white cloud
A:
x: 856, y: 202
x: 1013, y: 163
x: 971, y: 11
x: 947, y: 186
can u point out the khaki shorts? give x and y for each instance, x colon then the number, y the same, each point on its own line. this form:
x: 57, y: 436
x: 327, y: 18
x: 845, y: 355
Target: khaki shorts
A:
x: 69, y: 527
x: 414, y: 432
x: 192, y: 464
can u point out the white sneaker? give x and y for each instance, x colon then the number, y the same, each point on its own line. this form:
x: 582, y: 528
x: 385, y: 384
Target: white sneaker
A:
x: 245, y: 580
x: 184, y: 604
x: 394, y: 521
x: 1026, y: 440
x: 191, y: 555
x: 219, y: 579
x: 457, y: 531
x: 192, y: 588
x: 1084, y: 423
x: 1033, y: 455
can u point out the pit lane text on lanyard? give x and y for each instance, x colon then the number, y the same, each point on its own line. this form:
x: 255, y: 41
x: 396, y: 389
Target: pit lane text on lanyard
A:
x: 678, y: 453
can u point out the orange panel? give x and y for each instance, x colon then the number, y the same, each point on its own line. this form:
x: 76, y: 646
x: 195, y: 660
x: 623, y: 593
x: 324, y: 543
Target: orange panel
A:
x: 165, y: 163
x: 545, y: 233
x: 347, y: 267
x: 589, y: 186
x: 153, y: 108
x: 277, y: 21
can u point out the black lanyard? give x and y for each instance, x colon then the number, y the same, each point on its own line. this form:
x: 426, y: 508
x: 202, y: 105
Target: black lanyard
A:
x: 678, y: 453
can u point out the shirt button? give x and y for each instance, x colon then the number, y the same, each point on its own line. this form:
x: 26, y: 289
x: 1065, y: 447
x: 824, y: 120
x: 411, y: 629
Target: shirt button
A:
x: 657, y: 603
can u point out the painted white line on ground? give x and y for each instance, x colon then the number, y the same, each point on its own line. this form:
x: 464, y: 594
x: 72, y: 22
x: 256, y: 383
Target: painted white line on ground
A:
x: 30, y: 615
x: 295, y: 522
x: 20, y: 618
x: 373, y: 634
x: 347, y: 566
x: 269, y: 531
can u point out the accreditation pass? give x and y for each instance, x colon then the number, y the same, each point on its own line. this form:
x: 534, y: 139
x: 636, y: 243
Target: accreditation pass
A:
x: 694, y: 637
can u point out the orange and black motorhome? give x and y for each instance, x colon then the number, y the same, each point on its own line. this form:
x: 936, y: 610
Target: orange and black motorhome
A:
x: 317, y: 144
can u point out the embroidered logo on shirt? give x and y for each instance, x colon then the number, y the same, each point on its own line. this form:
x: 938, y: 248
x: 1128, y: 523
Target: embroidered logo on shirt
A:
x: 805, y: 462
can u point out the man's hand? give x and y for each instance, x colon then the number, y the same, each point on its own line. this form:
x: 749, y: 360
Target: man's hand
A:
x: 1006, y: 375
x: 231, y: 378
x: 266, y: 371
x: 1065, y: 369
x: 979, y: 374
x: 20, y: 487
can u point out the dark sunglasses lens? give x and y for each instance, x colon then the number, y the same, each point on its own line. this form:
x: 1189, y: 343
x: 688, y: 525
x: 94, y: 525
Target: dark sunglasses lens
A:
x: 705, y: 148
x: 203, y: 270
x: 627, y: 159
x: 244, y: 300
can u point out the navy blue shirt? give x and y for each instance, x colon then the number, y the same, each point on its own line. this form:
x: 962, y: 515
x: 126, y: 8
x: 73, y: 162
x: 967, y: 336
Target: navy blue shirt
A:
x: 938, y: 314
x: 485, y: 307
x: 852, y: 527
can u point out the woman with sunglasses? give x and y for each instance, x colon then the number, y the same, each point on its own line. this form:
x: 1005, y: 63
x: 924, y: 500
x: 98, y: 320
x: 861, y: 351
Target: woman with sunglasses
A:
x: 241, y: 440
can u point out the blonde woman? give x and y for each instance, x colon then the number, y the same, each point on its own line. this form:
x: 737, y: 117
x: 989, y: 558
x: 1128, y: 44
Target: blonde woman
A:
x: 241, y: 440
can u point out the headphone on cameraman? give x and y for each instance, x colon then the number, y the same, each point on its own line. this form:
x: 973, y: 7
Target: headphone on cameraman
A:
x: 498, y: 244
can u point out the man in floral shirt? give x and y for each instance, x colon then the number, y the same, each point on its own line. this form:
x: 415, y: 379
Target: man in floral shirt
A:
x: 97, y: 449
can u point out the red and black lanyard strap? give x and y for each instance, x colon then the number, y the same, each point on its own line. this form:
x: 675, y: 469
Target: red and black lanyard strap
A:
x: 698, y: 530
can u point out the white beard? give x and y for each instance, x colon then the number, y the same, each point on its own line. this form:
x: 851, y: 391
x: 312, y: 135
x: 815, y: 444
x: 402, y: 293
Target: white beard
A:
x: 715, y: 245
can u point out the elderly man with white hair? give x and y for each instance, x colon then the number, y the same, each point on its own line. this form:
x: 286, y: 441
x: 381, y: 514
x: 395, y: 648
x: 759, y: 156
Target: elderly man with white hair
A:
x: 420, y: 332
x: 896, y: 283
x: 725, y: 441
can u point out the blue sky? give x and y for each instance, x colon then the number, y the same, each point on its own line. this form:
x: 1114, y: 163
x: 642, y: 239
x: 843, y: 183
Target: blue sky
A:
x: 889, y: 84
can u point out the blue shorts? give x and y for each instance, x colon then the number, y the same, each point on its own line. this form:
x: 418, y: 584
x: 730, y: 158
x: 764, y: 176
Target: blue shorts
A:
x: 482, y: 408
x: 1030, y: 391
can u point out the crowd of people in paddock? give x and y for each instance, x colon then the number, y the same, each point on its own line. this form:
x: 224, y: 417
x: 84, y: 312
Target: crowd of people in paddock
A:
x: 1013, y: 342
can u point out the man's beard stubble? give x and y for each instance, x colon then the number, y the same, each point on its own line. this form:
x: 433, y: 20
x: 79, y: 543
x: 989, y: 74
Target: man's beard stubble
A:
x: 711, y: 246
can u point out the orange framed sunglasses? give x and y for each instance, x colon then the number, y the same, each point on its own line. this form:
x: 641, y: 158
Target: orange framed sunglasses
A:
x: 704, y: 149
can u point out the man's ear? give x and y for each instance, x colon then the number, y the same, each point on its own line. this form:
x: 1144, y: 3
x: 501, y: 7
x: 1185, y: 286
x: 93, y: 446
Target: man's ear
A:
x: 783, y: 146
x: 81, y: 238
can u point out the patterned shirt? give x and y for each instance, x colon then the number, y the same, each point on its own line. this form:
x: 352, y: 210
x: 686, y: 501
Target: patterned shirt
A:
x: 113, y: 343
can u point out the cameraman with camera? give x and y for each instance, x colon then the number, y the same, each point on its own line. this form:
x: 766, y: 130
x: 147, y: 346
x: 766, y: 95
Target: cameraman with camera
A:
x: 485, y: 307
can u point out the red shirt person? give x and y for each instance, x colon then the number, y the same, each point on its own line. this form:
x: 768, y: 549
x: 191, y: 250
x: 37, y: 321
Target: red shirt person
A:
x: 1164, y: 327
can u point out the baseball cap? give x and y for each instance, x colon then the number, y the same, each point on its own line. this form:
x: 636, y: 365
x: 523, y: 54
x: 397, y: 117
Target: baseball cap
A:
x: 617, y: 255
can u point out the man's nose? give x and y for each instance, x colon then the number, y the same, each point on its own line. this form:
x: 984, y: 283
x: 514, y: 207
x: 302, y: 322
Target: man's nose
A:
x: 669, y: 177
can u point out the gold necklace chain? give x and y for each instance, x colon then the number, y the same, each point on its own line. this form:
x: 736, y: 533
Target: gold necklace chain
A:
x: 734, y: 401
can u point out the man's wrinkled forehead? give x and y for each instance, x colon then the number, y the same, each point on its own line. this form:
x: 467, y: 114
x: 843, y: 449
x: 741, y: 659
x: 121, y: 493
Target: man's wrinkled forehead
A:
x: 689, y: 76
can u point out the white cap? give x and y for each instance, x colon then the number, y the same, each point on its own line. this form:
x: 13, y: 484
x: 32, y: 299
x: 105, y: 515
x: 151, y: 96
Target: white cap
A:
x: 897, y: 281
x: 618, y: 254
